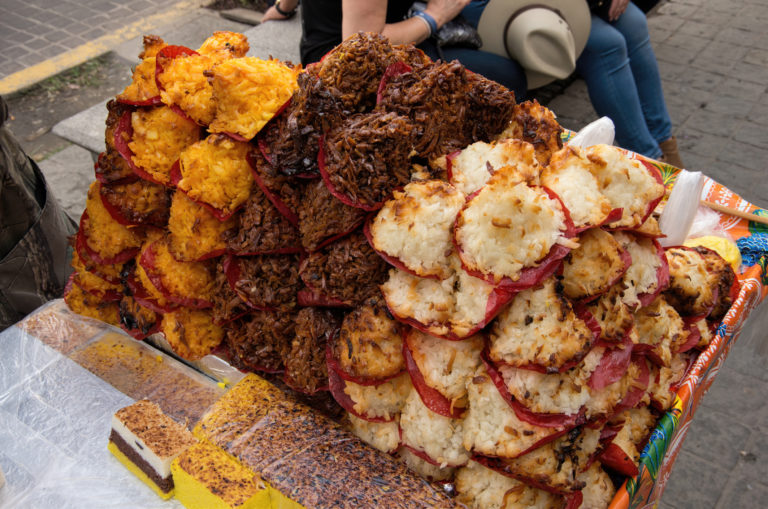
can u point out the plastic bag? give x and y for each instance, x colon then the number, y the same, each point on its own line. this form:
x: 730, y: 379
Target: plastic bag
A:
x: 599, y: 132
x: 706, y: 222
x: 679, y: 212
x: 457, y: 32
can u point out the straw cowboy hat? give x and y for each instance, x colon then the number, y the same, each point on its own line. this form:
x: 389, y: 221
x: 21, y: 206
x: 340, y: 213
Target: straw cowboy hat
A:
x: 544, y: 36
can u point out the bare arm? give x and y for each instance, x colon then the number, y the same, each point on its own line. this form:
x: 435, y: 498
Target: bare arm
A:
x: 285, y: 5
x: 371, y: 15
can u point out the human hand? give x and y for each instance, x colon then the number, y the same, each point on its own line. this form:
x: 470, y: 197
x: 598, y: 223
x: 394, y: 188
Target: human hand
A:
x: 445, y: 10
x: 617, y: 9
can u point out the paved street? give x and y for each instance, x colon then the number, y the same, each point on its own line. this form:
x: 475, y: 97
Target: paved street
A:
x: 713, y: 56
x: 42, y: 36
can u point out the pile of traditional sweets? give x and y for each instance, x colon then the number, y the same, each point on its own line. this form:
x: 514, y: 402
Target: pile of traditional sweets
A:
x: 532, y: 327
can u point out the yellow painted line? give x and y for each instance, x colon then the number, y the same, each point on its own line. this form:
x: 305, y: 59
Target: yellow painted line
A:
x: 92, y: 49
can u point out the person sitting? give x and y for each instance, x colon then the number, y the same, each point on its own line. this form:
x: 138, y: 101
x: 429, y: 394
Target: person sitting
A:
x: 623, y: 80
x: 608, y: 46
x: 327, y: 22
x: 525, y: 45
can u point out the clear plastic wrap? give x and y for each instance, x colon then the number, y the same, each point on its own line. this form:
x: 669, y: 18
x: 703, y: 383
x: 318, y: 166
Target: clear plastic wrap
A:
x: 306, y: 456
x: 212, y: 365
x: 54, y: 423
x: 56, y: 409
x: 61, y: 329
x: 141, y: 371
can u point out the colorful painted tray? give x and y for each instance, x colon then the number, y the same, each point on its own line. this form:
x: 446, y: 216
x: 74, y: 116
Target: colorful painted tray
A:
x: 659, y: 455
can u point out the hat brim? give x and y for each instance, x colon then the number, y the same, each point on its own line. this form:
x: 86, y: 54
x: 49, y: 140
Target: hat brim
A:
x: 496, y: 15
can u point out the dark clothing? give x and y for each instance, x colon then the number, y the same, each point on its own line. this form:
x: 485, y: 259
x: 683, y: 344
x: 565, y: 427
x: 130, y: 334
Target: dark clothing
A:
x: 34, y: 253
x: 321, y: 25
x: 321, y: 32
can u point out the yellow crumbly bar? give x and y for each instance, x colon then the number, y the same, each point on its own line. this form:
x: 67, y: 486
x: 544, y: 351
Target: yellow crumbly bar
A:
x: 132, y: 468
x: 206, y: 477
x: 306, y: 458
x: 139, y: 371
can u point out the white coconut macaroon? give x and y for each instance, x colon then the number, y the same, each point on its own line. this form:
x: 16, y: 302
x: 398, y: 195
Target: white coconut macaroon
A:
x: 593, y: 267
x: 642, y: 276
x: 705, y: 332
x: 439, y: 437
x: 602, y: 402
x: 415, y: 227
x: 509, y: 226
x: 423, y: 467
x: 483, y: 488
x: 427, y: 301
x: 612, y: 314
x: 659, y: 326
x: 598, y: 490
x: 691, y: 286
x: 555, y: 393
x: 456, y: 306
x: 539, y: 327
x: 473, y: 166
x: 663, y: 378
x: 626, y: 182
x: 384, y: 436
x: 446, y: 366
x: 651, y: 227
x: 491, y: 427
x: 369, y: 343
x: 537, y: 125
x: 568, y: 174
x: 556, y: 464
x: 384, y: 400
x: 638, y: 423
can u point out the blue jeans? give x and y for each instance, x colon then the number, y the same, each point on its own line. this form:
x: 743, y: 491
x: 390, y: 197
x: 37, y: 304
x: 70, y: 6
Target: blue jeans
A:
x: 623, y: 81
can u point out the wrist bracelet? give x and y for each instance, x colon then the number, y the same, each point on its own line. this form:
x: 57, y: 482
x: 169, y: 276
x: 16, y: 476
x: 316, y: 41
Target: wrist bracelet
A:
x: 430, y: 21
x: 287, y: 14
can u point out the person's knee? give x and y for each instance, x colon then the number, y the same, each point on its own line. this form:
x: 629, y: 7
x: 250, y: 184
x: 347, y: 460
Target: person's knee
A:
x: 608, y: 55
x: 634, y: 27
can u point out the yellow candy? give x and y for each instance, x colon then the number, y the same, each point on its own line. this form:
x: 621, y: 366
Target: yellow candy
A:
x: 724, y: 247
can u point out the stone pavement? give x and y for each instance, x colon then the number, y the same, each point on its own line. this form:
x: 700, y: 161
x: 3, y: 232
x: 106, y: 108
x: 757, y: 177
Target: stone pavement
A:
x: 713, y: 56
x: 42, y: 37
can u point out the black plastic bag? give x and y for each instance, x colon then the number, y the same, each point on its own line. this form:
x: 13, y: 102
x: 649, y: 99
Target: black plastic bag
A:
x: 457, y: 32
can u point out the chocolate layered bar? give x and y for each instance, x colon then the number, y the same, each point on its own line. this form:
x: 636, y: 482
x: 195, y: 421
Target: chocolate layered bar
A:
x: 146, y: 441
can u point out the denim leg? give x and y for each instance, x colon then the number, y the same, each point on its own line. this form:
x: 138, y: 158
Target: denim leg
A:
x: 634, y: 27
x: 604, y: 65
x: 494, y: 67
x: 473, y: 11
